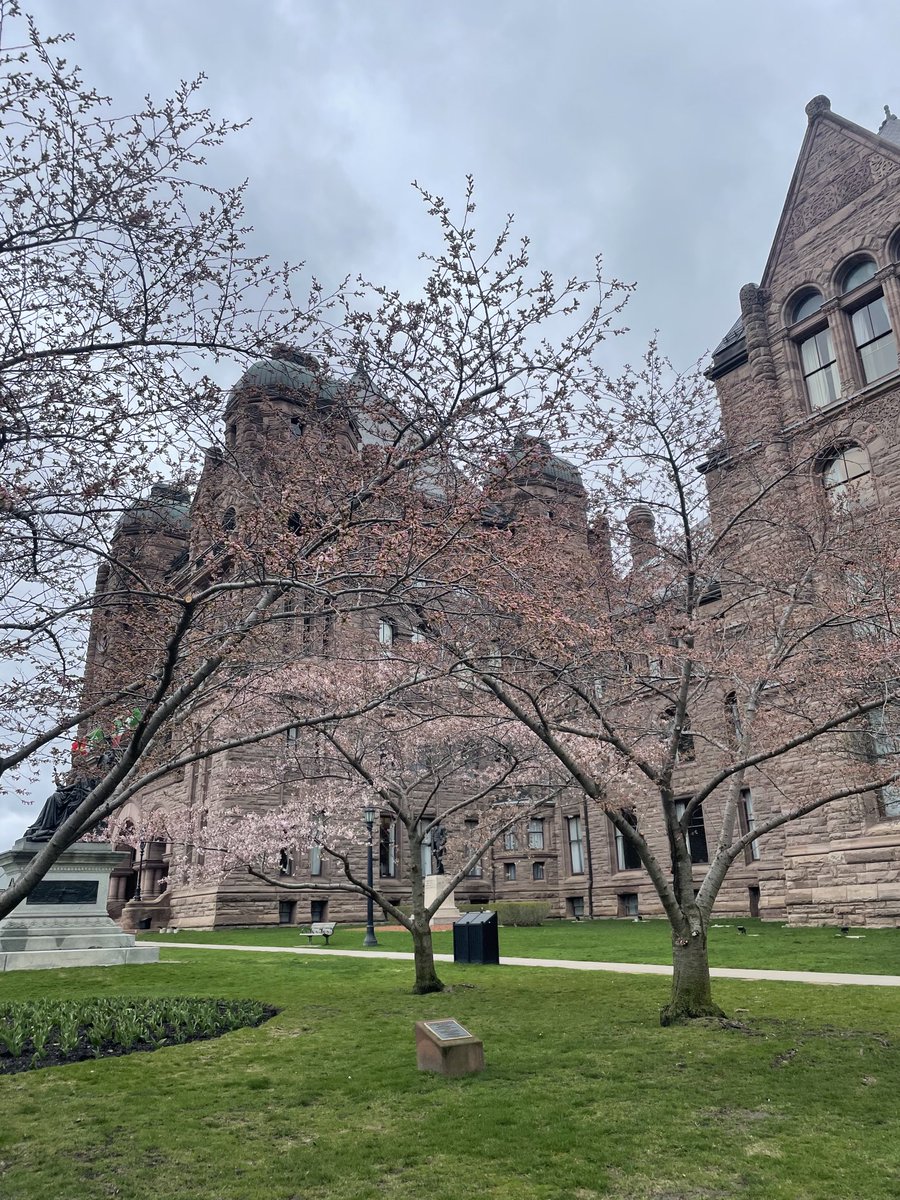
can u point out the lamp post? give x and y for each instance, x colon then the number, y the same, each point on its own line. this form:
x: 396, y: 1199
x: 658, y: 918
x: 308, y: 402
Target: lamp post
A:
x: 137, y: 890
x: 370, y: 938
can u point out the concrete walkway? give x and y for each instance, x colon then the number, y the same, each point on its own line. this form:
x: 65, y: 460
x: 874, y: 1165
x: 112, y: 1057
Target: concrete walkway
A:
x: 565, y: 964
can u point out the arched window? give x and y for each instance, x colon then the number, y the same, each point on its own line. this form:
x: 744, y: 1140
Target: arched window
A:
x: 229, y: 520
x: 386, y: 632
x: 804, y: 305
x: 858, y: 273
x: 847, y: 478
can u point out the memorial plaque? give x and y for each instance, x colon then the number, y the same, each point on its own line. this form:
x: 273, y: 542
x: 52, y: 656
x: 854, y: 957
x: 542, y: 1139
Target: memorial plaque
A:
x: 447, y: 1030
x: 64, y: 891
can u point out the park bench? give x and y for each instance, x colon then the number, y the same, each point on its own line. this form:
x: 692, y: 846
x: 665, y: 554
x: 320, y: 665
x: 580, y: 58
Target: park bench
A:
x: 318, y: 929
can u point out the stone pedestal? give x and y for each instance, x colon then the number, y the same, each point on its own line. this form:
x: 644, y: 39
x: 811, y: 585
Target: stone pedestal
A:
x: 63, y: 922
x: 448, y: 912
x: 446, y: 1048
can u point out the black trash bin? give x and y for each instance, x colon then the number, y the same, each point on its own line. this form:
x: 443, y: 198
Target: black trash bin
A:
x: 475, y: 938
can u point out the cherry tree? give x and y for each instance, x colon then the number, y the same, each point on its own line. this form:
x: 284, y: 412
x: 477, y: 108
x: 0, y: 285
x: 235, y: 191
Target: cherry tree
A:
x: 129, y: 286
x: 732, y: 633
x: 443, y: 765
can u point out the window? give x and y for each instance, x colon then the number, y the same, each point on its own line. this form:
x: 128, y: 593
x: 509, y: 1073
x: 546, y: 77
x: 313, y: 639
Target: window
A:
x: 315, y: 860
x: 510, y: 840
x: 874, y: 338
x: 628, y: 904
x: 748, y: 823
x: 292, y: 734
x: 537, y: 870
x: 847, y: 478
x: 509, y: 872
x: 576, y: 845
x: 575, y: 907
x: 417, y: 636
x: 229, y: 520
x: 387, y: 848
x: 286, y: 911
x: 296, y: 427
x: 386, y: 632
x: 536, y: 833
x: 627, y: 857
x: 819, y: 369
x: 859, y: 273
x: 285, y: 862
x: 733, y: 724
x: 805, y: 305
x: 886, y: 756
x: 318, y: 910
x: 684, y: 751
x: 696, y: 832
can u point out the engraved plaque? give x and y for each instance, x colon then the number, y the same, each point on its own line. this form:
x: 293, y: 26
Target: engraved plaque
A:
x: 447, y: 1030
x: 64, y: 891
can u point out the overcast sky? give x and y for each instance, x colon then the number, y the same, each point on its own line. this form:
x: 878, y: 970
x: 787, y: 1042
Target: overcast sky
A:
x: 662, y: 133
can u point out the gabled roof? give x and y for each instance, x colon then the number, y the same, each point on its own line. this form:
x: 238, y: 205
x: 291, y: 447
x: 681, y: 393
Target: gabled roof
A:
x: 885, y: 143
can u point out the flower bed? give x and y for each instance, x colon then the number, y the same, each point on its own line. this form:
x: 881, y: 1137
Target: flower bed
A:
x: 47, y: 1033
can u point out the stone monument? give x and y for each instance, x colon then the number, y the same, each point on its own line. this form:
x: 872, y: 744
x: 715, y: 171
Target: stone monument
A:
x: 434, y: 883
x: 63, y: 921
x: 447, y: 1048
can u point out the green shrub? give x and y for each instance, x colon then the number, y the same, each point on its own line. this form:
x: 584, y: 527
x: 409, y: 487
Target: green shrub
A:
x: 514, y: 912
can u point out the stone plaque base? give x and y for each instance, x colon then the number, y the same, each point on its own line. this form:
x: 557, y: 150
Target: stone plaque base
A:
x: 64, y: 923
x: 458, y: 1055
x: 448, y: 912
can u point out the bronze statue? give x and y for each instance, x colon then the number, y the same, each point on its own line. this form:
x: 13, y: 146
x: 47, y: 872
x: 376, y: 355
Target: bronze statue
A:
x: 57, y: 807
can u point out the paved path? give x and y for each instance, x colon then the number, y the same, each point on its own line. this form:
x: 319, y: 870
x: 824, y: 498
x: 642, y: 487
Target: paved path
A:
x: 565, y: 964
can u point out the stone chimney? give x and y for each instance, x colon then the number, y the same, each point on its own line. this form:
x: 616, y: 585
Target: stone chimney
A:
x: 641, y: 535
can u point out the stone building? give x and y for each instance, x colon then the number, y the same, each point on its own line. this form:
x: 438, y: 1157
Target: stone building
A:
x: 809, y: 369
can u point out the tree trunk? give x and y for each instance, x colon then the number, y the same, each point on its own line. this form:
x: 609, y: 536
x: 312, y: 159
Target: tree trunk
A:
x: 691, y: 989
x: 426, y: 976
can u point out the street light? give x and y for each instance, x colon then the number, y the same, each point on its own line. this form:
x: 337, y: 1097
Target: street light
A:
x: 370, y: 939
x: 137, y: 889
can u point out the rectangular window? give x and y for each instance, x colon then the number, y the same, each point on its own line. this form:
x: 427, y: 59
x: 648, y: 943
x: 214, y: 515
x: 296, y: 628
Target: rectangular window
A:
x: 575, y: 907
x: 576, y: 845
x: 536, y: 833
x: 387, y: 848
x: 291, y: 734
x: 286, y: 911
x: 537, y: 870
x: 748, y: 823
x: 628, y: 904
x: 318, y: 910
x: 696, y: 832
x: 874, y: 340
x: 509, y: 872
x: 627, y: 857
x: 425, y: 857
x: 510, y: 841
x: 286, y: 863
x: 886, y: 757
x: 315, y: 860
x: 819, y: 369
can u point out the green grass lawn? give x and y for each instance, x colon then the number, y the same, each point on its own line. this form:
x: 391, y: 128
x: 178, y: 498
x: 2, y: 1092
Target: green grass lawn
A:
x: 584, y: 1094
x: 766, y: 945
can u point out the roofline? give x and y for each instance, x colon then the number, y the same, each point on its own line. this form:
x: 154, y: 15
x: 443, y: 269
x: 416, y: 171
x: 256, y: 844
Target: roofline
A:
x: 819, y: 109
